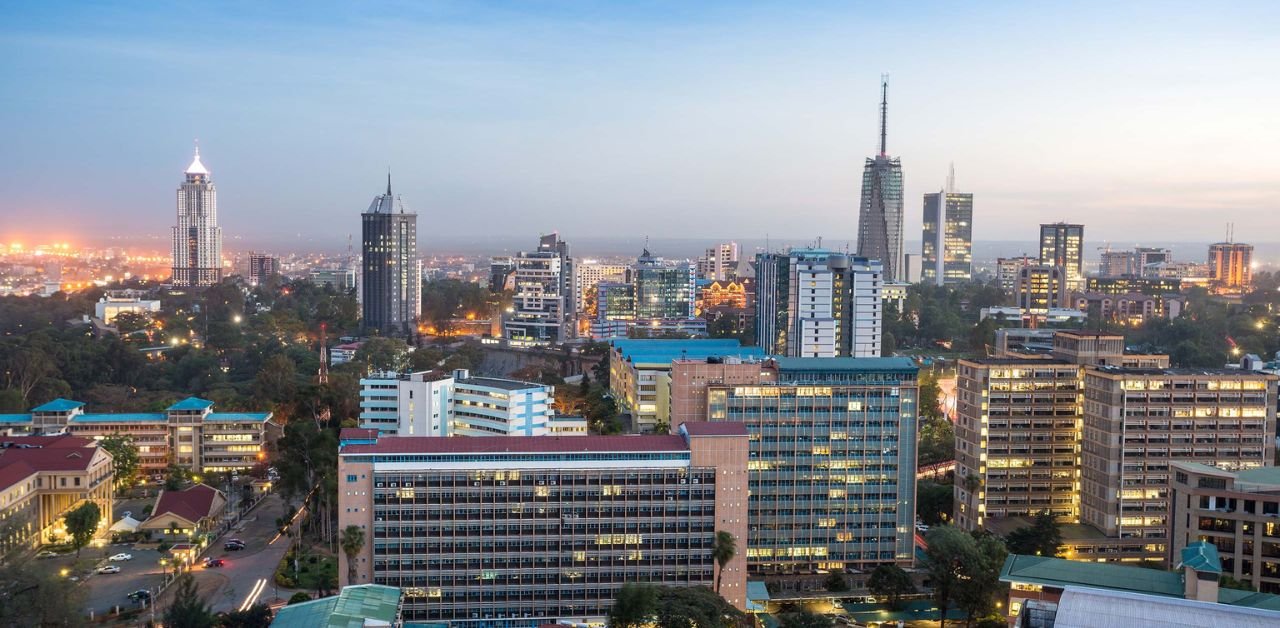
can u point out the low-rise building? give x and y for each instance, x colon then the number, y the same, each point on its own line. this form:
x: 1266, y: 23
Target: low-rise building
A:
x: 44, y: 477
x: 183, y: 515
x: 114, y: 304
x: 522, y: 531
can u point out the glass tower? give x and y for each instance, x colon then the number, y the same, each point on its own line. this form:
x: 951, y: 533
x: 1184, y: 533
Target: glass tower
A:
x: 392, y: 275
x: 948, y: 238
x: 880, y: 213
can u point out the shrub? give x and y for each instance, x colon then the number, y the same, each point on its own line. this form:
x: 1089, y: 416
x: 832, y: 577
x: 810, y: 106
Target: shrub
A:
x: 300, y: 596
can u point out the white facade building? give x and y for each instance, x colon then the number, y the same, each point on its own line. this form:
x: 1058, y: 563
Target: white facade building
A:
x: 407, y: 404
x: 197, y: 239
x: 110, y: 306
x: 835, y: 305
x: 720, y: 262
x: 484, y: 406
x: 430, y: 403
x: 588, y: 273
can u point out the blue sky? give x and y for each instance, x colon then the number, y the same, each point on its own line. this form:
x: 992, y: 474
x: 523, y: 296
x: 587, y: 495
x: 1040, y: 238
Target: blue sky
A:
x: 1144, y: 121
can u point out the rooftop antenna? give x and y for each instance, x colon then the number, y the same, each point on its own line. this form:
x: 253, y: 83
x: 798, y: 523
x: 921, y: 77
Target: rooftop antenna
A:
x: 197, y: 147
x: 951, y: 178
x: 388, y: 180
x: 884, y: 113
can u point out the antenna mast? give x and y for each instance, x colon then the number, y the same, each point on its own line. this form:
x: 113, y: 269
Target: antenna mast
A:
x: 884, y: 113
x: 951, y: 178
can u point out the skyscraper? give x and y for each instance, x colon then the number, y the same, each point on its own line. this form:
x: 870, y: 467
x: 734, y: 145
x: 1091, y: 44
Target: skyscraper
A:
x: 543, y: 304
x: 1230, y: 266
x: 391, y: 280
x: 197, y: 240
x: 948, y: 236
x: 1062, y: 244
x: 819, y: 304
x: 880, y: 217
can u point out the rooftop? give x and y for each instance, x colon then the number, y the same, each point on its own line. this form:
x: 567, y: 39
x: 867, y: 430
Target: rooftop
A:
x: 193, y: 504
x: 191, y: 403
x: 1029, y: 360
x: 246, y: 417
x: 58, y: 405
x: 664, y: 352
x: 348, y: 609
x: 714, y: 428
x: 517, y: 444
x: 1207, y: 372
x: 1259, y: 476
x: 846, y: 365
x: 15, y: 418
x: 501, y: 384
x: 14, y: 473
x: 50, y: 458
x: 122, y: 417
x: 1202, y: 557
x: 1097, y: 608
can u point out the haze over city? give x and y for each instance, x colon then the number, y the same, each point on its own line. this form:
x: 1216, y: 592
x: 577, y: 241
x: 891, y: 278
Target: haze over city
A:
x: 701, y: 120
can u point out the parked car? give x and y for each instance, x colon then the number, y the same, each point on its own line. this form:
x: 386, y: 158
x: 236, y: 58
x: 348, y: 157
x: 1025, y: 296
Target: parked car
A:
x: 121, y: 557
x: 214, y: 562
x: 232, y: 547
x: 141, y: 595
x: 47, y: 554
x: 108, y: 569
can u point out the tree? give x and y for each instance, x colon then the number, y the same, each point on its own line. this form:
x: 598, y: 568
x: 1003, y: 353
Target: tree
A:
x: 930, y: 393
x: 806, y: 619
x: 977, y: 593
x: 175, y: 477
x: 256, y: 616
x: 964, y: 570
x: 891, y: 581
x: 352, y: 542
x: 82, y: 524
x: 36, y: 597
x: 383, y: 354
x: 299, y: 597
x: 277, y: 381
x: 188, y: 609
x: 937, y: 441
x: 683, y: 607
x: 836, y: 583
x: 635, y: 606
x: 1042, y: 538
x: 124, y: 457
x: 934, y: 502
x: 724, y: 551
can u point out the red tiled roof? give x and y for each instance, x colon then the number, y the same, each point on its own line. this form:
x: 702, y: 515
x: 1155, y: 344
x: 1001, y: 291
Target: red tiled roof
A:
x: 14, y: 473
x: 50, y: 458
x: 357, y: 433
x: 517, y: 444
x: 715, y: 428
x: 192, y: 504
x: 61, y: 441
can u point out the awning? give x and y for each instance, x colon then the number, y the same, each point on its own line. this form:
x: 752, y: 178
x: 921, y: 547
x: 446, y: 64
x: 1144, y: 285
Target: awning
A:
x: 127, y: 524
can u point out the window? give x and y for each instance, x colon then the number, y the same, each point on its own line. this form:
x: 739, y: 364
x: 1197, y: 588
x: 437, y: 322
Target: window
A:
x: 351, y: 478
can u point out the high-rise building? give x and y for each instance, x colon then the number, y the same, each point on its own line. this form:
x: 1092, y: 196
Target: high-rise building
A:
x: 833, y: 456
x: 662, y: 289
x: 262, y: 266
x: 543, y: 305
x: 523, y: 531
x: 818, y: 303
x: 880, y: 214
x: 1230, y: 266
x: 587, y: 274
x: 197, y: 238
x: 1007, y: 269
x: 637, y: 366
x: 391, y: 279
x: 1117, y: 264
x: 1237, y: 511
x: 1062, y: 244
x: 947, y: 250
x: 720, y: 263
x: 1145, y: 256
x: 1042, y: 287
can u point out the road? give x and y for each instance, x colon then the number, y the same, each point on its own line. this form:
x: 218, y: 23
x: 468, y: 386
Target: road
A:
x: 108, y: 591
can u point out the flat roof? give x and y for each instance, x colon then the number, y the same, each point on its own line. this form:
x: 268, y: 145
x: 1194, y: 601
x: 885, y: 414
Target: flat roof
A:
x: 664, y: 352
x: 501, y: 384
x: 122, y: 417
x: 847, y: 365
x: 1062, y: 573
x: 1121, y: 370
x: 714, y: 428
x: 1030, y: 360
x: 517, y: 444
x: 15, y: 418
x: 250, y: 417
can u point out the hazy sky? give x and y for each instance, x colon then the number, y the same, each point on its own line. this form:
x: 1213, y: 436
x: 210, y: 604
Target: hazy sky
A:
x: 1143, y: 121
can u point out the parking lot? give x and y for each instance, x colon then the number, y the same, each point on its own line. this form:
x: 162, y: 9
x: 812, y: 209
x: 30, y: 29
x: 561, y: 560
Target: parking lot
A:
x: 109, y: 591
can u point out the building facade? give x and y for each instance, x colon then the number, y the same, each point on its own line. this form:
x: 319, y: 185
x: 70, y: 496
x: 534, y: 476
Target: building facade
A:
x: 44, y: 477
x: 662, y: 289
x: 1007, y: 269
x: 432, y: 403
x: 391, y: 273
x: 524, y: 531
x: 719, y: 263
x: 880, y: 212
x: 1042, y: 287
x: 819, y: 303
x: 544, y: 295
x: 197, y: 238
x: 262, y: 266
x: 947, y: 249
x: 1231, y: 267
x: 1062, y: 244
x: 1237, y: 511
x: 407, y: 404
x: 587, y: 274
x: 637, y: 367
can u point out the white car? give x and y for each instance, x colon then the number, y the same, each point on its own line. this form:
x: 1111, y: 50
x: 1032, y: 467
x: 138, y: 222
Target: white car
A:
x: 120, y: 557
x: 108, y: 569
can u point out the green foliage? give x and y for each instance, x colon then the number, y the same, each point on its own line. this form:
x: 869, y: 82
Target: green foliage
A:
x: 934, y: 502
x: 299, y: 597
x: 82, y: 524
x: 635, y: 606
x: 672, y: 607
x: 836, y: 582
x: 1228, y: 582
x: 256, y: 616
x: 446, y: 299
x: 891, y: 581
x: 930, y: 393
x: 964, y: 571
x: 124, y: 457
x: 937, y: 441
x: 188, y: 609
x: 277, y: 381
x: 1043, y: 538
x: 352, y: 542
x: 176, y: 477
x: 36, y: 597
x: 384, y: 354
x: 805, y: 619
x: 723, y: 552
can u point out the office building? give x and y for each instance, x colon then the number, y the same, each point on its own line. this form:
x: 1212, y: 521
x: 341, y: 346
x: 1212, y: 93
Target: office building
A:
x: 636, y: 367
x: 197, y: 238
x: 1145, y: 256
x: 1231, y: 267
x: 880, y: 212
x: 1236, y: 511
x: 912, y: 263
x: 1007, y: 270
x: 524, y: 531
x: 1117, y: 264
x: 116, y: 302
x: 655, y: 298
x: 42, y: 478
x: 262, y: 266
x: 1154, y: 286
x: 818, y: 303
x: 1062, y: 244
x: 407, y: 404
x: 719, y: 263
x: 432, y: 403
x: 662, y: 289
x: 543, y: 303
x: 1042, y: 287
x: 947, y: 250
x: 341, y: 280
x: 488, y: 406
x: 587, y: 274
x: 391, y: 273
x: 188, y: 433
x: 833, y: 456
x: 1132, y: 308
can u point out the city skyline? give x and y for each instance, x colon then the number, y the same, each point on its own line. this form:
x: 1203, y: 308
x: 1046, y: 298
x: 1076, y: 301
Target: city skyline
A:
x: 535, y: 136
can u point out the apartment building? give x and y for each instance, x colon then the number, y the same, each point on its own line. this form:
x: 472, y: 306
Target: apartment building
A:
x: 408, y: 404
x: 44, y: 477
x: 833, y: 455
x: 523, y: 531
x: 1236, y: 511
x: 188, y: 433
x: 637, y: 367
x: 430, y: 403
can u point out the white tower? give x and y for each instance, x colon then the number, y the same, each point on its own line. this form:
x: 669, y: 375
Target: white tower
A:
x: 197, y: 240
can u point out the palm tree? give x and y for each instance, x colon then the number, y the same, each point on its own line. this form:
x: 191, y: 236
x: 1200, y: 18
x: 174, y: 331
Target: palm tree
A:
x: 724, y: 551
x: 352, y: 542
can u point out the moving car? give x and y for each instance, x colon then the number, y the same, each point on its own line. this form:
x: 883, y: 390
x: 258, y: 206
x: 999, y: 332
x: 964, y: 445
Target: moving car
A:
x: 233, y: 546
x: 46, y: 554
x: 120, y: 557
x: 108, y: 569
x: 214, y: 562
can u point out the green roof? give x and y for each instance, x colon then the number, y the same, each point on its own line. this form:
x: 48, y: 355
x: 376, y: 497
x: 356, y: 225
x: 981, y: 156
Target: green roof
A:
x: 1202, y: 556
x: 59, y: 405
x: 849, y: 365
x: 1059, y: 572
x: 347, y: 610
x: 1260, y: 475
x: 191, y: 403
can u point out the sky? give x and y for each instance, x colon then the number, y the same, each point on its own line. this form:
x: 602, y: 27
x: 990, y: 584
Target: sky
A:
x: 1143, y: 121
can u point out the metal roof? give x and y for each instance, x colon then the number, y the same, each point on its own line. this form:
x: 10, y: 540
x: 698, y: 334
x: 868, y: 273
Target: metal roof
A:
x: 847, y: 365
x: 191, y: 403
x: 255, y: 417
x: 663, y: 352
x: 348, y: 609
x: 58, y: 405
x: 1202, y: 556
x: 1098, y: 608
x: 122, y: 417
x: 518, y: 444
x: 1061, y: 573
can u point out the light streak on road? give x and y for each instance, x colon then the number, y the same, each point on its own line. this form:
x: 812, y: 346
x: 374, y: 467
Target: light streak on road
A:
x: 254, y: 593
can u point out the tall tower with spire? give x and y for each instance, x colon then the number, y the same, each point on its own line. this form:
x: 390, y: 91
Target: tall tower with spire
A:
x: 197, y: 239
x: 390, y: 271
x: 880, y: 212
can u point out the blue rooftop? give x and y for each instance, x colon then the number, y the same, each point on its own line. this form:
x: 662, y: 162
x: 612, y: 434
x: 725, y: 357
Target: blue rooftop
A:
x: 15, y: 418
x: 59, y: 405
x: 1202, y: 556
x: 254, y: 417
x: 847, y: 364
x: 121, y: 417
x: 664, y: 352
x: 191, y: 403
